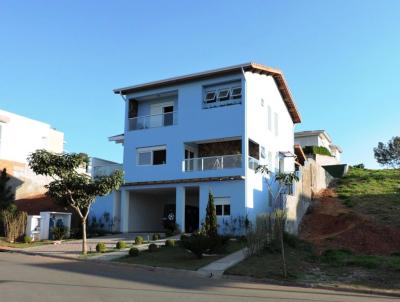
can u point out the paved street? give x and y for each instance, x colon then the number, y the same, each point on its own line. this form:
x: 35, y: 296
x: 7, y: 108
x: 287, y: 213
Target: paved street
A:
x: 37, y: 278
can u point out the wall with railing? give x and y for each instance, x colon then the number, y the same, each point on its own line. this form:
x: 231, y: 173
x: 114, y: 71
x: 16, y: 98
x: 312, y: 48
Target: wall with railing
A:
x: 153, y: 121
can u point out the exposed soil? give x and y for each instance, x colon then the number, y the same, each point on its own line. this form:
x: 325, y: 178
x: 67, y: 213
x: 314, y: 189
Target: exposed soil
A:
x: 331, y: 225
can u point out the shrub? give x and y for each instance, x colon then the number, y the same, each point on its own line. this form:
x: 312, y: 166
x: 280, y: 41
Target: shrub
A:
x: 170, y: 243
x: 359, y: 166
x: 316, y: 150
x: 27, y: 239
x: 101, y: 247
x: 59, y: 232
x: 184, y: 237
x: 198, y: 244
x: 156, y: 237
x: 210, y: 225
x: 139, y: 240
x: 121, y: 245
x: 291, y: 240
x: 153, y: 247
x: 133, y: 252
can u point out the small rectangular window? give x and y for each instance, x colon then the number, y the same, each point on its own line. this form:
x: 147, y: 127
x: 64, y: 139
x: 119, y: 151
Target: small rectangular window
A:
x: 269, y: 118
x: 227, y: 209
x: 276, y: 124
x: 159, y: 157
x: 236, y: 92
x: 144, y: 158
x: 223, y: 94
x: 262, y: 151
x: 210, y: 97
x: 218, y: 209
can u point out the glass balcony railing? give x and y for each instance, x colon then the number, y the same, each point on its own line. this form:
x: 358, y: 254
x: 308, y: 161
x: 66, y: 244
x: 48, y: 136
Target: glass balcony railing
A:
x: 153, y: 121
x: 212, y: 163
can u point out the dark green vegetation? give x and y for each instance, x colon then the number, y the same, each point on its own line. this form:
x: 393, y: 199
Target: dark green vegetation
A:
x: 178, y: 257
x: 316, y: 150
x: 372, y: 192
x: 333, y: 267
x: 20, y: 245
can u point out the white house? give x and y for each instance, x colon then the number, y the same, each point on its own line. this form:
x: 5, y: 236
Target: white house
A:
x: 319, y: 138
x: 188, y: 135
x: 20, y: 136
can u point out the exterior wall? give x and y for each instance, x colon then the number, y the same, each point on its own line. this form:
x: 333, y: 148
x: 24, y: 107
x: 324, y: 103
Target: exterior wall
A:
x: 194, y: 124
x: 313, y: 140
x: 21, y: 136
x: 258, y: 88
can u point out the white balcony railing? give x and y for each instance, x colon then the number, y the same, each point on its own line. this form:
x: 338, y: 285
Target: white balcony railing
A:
x: 105, y: 170
x: 253, y: 163
x: 212, y: 163
x: 153, y: 121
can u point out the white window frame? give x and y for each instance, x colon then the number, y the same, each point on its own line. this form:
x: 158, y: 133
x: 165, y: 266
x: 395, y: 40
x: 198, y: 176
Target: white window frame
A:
x: 262, y: 152
x: 151, y: 150
x: 269, y: 113
x: 224, y: 97
x: 223, y: 201
x: 276, y: 124
x: 236, y: 95
x: 208, y: 100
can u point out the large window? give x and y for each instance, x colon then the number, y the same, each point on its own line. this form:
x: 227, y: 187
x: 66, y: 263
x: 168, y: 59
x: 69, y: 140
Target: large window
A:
x: 151, y: 156
x: 222, y: 206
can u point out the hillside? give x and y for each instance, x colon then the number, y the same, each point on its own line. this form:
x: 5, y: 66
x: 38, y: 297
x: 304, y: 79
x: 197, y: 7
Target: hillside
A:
x: 360, y: 213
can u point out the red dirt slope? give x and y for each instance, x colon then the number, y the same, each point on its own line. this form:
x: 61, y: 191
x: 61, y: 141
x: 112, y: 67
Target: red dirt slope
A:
x: 330, y: 225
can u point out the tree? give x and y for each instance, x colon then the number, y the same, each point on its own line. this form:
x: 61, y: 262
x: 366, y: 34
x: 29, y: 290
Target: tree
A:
x: 6, y: 195
x: 283, y: 181
x: 211, y: 217
x: 71, y: 186
x: 389, y: 154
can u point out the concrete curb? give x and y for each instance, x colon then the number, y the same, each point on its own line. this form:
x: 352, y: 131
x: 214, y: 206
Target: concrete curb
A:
x: 339, y: 288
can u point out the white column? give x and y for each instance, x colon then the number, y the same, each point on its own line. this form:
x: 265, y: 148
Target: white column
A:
x: 180, y: 208
x: 124, y: 211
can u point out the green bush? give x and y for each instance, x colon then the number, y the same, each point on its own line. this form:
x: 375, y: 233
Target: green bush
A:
x: 120, y: 245
x: 101, y: 247
x: 27, y: 239
x: 291, y: 240
x: 153, y: 247
x: 133, y: 252
x: 170, y: 243
x: 139, y: 240
x: 200, y: 244
x: 59, y: 232
x: 316, y: 150
x: 156, y: 237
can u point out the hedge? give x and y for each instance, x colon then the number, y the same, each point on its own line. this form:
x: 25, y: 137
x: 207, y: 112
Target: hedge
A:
x: 316, y: 150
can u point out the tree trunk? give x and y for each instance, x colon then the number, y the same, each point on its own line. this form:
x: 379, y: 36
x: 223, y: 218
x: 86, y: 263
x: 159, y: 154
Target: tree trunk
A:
x: 284, y: 270
x: 84, y: 244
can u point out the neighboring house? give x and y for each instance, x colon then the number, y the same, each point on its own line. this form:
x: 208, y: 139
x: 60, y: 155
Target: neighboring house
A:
x: 20, y: 136
x: 188, y: 135
x: 319, y: 138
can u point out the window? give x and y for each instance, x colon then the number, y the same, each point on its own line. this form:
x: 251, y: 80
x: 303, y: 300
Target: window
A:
x: 223, y: 94
x: 262, y: 102
x: 151, y: 156
x: 269, y: 118
x: 222, y: 206
x: 276, y: 124
x: 210, y: 97
x: 262, y: 151
x: 236, y: 92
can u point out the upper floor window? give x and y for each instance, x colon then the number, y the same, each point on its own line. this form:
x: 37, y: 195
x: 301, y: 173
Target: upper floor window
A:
x: 151, y: 156
x: 222, y: 94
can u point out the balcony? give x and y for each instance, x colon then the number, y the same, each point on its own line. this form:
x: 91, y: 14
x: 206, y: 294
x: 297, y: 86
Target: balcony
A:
x: 153, y: 121
x: 107, y: 170
x: 212, y: 163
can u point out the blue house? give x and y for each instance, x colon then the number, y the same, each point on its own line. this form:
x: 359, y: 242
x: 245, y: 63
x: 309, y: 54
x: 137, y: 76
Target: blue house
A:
x: 205, y: 132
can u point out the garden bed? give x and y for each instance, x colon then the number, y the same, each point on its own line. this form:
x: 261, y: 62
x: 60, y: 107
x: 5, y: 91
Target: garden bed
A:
x: 179, y: 258
x: 22, y: 245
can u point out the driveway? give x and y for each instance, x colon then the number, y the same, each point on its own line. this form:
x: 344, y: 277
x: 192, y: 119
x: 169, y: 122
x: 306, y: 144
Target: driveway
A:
x: 38, y: 279
x: 73, y: 248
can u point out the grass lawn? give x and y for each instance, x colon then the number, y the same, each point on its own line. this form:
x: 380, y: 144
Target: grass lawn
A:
x: 334, y: 267
x: 372, y: 192
x: 177, y: 257
x: 21, y: 245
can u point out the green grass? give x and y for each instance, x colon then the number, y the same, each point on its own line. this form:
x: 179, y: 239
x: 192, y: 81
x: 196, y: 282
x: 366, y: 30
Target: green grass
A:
x: 21, y: 245
x: 177, y: 257
x: 334, y: 267
x: 372, y: 192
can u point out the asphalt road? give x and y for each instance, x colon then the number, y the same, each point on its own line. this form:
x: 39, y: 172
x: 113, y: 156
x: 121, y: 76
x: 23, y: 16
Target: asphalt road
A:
x: 37, y: 278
